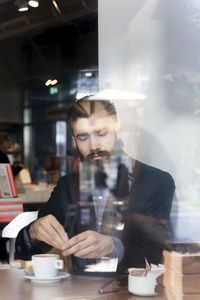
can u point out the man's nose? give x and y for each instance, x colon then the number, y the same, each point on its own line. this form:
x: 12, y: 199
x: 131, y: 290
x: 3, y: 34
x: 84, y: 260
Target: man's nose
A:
x: 94, y: 143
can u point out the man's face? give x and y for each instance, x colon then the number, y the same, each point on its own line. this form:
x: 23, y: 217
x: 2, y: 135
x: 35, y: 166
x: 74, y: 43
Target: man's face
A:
x: 94, y: 137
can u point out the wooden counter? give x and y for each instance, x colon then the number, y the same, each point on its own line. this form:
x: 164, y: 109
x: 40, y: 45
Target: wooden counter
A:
x: 14, y: 286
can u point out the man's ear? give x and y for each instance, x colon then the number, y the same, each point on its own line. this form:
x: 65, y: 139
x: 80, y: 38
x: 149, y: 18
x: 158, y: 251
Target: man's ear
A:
x: 74, y: 142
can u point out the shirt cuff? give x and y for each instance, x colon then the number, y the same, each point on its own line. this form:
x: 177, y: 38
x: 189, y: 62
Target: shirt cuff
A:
x: 29, y: 243
x: 118, y: 251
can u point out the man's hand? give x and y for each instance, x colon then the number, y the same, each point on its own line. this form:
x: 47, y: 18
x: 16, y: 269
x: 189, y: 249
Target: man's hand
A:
x: 89, y: 244
x: 49, y: 230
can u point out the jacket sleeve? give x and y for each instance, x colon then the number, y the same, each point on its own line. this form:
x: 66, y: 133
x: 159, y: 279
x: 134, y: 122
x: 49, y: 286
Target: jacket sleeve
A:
x: 147, y: 225
x: 25, y: 247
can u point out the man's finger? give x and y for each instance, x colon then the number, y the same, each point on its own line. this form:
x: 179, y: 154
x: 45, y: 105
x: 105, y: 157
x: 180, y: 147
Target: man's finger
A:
x: 89, y: 252
x: 60, y: 231
x: 89, y: 244
x: 52, y: 237
x: 45, y: 237
x: 49, y: 230
x: 78, y: 247
x: 75, y: 240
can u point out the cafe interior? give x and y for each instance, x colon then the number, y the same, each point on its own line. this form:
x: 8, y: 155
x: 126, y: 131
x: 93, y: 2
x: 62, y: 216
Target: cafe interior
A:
x: 143, y: 57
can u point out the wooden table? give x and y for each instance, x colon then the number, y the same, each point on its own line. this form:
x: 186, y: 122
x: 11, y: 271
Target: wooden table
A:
x: 13, y: 286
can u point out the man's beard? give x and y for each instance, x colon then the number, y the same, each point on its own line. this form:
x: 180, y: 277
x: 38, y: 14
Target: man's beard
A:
x: 101, y: 154
x: 117, y: 150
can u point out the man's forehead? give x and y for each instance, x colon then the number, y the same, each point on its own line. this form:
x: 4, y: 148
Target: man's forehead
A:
x: 96, y: 122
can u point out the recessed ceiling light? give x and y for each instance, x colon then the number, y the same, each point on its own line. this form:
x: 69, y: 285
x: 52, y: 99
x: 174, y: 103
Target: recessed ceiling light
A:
x: 33, y: 3
x: 22, y: 5
x: 48, y: 82
x: 51, y: 82
x: 54, y: 81
x: 88, y: 74
x: 22, y: 9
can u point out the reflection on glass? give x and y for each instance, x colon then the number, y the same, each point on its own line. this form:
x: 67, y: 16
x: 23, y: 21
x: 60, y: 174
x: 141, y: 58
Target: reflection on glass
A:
x: 104, y: 190
x: 100, y: 197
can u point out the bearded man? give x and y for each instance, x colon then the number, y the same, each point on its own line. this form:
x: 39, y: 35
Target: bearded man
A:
x: 147, y: 203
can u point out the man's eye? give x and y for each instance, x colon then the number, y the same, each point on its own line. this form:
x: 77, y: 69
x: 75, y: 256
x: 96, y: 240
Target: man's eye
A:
x: 83, y: 138
x: 102, y: 133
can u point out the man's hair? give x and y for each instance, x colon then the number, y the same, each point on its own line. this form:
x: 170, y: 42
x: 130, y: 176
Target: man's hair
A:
x: 78, y: 109
x: 4, y: 136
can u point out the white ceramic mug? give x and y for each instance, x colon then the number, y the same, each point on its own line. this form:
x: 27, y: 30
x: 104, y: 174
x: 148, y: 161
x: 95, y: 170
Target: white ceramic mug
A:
x: 46, y: 265
x: 144, y: 285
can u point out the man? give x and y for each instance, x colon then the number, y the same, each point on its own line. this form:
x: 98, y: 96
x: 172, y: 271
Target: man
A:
x: 96, y: 134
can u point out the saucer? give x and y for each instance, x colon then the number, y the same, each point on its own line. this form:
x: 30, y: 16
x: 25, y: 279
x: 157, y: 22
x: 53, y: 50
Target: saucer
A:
x: 59, y: 277
x: 144, y: 294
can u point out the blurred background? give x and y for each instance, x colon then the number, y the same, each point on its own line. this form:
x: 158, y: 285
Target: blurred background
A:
x: 53, y: 52
x: 48, y: 58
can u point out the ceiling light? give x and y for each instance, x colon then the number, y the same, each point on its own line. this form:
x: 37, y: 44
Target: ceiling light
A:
x: 22, y: 9
x: 51, y: 82
x: 54, y: 81
x: 22, y: 5
x: 89, y: 74
x: 48, y: 82
x: 33, y: 3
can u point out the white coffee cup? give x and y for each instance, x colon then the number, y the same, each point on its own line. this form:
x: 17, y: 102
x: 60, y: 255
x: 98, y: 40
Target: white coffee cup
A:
x: 144, y: 285
x: 46, y: 265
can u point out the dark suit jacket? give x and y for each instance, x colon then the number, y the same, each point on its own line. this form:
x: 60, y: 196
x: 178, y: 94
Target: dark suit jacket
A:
x: 146, y: 219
